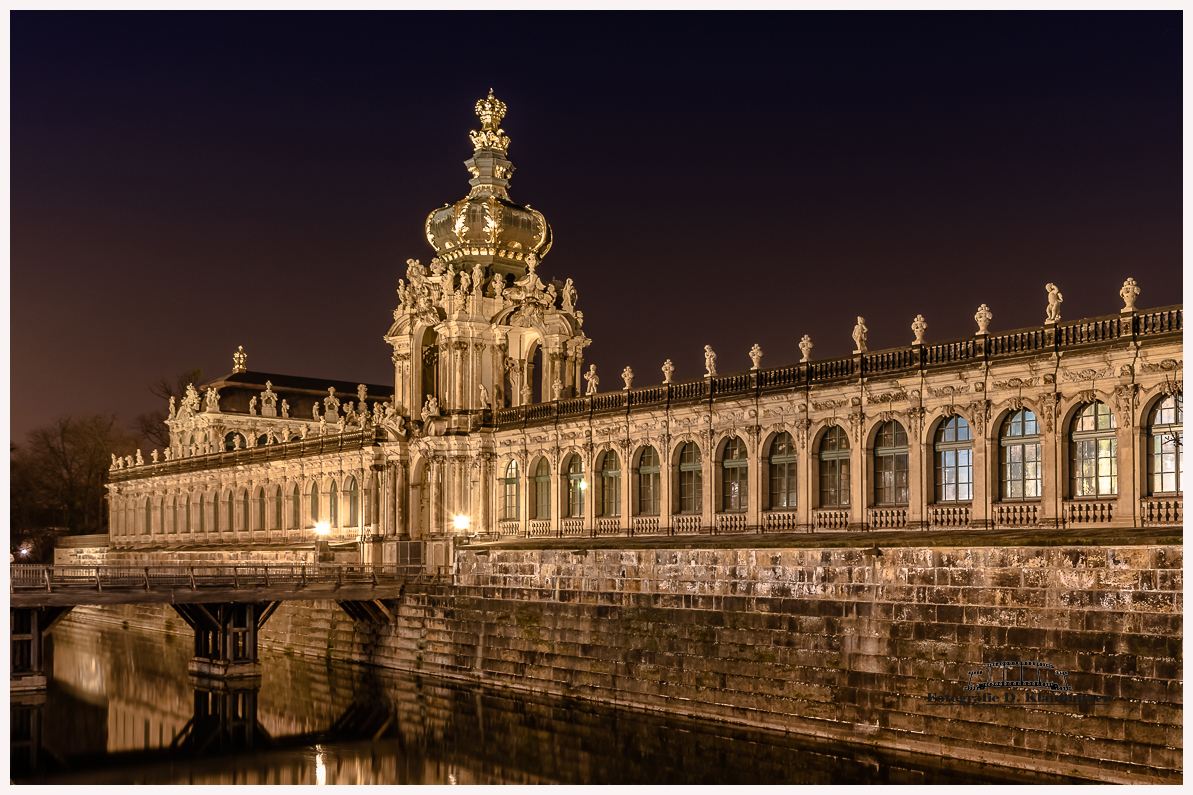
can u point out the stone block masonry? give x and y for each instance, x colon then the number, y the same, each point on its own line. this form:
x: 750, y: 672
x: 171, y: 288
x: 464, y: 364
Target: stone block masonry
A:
x: 842, y: 644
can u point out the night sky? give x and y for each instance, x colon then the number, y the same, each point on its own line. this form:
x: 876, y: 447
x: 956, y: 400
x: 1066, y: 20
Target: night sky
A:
x: 183, y: 183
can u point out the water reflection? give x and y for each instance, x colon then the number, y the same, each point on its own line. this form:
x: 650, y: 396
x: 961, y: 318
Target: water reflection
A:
x: 121, y: 708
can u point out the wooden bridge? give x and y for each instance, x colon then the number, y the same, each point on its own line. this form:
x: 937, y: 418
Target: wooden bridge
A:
x: 225, y: 605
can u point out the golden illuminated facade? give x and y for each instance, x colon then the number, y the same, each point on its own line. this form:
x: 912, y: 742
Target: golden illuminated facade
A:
x: 493, y: 428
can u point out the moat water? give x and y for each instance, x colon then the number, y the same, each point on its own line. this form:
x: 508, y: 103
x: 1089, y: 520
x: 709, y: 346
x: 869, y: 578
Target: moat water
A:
x: 121, y: 708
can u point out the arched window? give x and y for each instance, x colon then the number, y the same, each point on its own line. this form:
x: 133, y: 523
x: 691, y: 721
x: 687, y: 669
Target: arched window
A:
x: 1093, y: 452
x: 690, y: 479
x: 375, y: 502
x: 148, y: 516
x: 782, y: 472
x: 954, y: 461
x: 296, y: 508
x: 232, y: 511
x: 1019, y: 456
x: 834, y: 468
x: 259, y: 519
x: 542, y: 490
x: 215, y: 512
x: 263, y: 440
x: 188, y: 514
x: 234, y: 441
x: 648, y: 483
x: 245, y: 515
x: 161, y: 515
x: 610, y: 484
x: 509, y: 490
x: 333, y: 505
x: 278, y: 509
x: 734, y: 476
x: 315, y: 502
x: 1165, y: 460
x: 353, y: 492
x: 174, y: 515
x: 575, y: 486
x: 890, y: 465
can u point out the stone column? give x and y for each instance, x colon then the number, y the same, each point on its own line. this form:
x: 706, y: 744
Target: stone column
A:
x: 859, y: 480
x: 1052, y: 451
x: 754, y: 477
x: 919, y: 481
x: 984, y: 453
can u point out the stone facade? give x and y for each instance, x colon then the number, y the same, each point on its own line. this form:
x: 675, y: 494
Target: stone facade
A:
x: 494, y: 428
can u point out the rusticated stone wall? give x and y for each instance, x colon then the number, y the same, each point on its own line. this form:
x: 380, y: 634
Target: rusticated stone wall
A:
x: 837, y: 643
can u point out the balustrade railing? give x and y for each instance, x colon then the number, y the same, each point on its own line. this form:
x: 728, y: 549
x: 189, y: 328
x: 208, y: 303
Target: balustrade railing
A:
x: 539, y: 528
x: 830, y: 369
x: 830, y: 518
x: 510, y: 527
x: 780, y: 521
x: 98, y: 577
x: 1155, y: 511
x: 1160, y: 321
x: 681, y: 524
x: 898, y: 359
x: 1089, y: 511
x: 946, y: 352
x: 1092, y: 330
x: 1016, y: 342
x: 645, y: 525
x: 731, y: 523
x: 780, y: 376
x: 572, y: 527
x: 948, y: 515
x: 886, y: 518
x: 1016, y: 514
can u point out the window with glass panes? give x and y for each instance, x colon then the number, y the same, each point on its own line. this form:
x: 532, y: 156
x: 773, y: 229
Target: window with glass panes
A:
x: 296, y: 509
x: 575, y: 487
x: 1019, y: 457
x: 259, y: 519
x: 510, y: 492
x: 542, y: 490
x: 891, y: 485
x: 353, y: 493
x: 648, y: 483
x: 333, y: 505
x: 1165, y: 459
x: 245, y: 515
x: 782, y: 472
x: 1093, y: 452
x: 314, y: 502
x: 610, y: 485
x: 834, y: 468
x: 734, y: 469
x: 278, y: 509
x: 954, y: 461
x: 690, y: 479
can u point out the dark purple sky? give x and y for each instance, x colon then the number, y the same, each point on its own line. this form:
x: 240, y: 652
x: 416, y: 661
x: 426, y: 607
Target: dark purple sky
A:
x: 183, y: 183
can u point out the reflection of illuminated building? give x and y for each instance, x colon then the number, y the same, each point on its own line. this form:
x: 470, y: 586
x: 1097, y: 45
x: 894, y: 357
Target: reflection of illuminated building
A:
x: 492, y: 418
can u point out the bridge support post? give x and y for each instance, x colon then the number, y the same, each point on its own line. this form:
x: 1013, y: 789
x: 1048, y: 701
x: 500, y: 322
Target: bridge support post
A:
x: 28, y: 627
x: 225, y: 717
x: 226, y: 637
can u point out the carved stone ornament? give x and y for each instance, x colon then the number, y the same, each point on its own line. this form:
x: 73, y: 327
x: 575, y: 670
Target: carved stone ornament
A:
x: 756, y: 355
x: 918, y: 327
x: 1129, y: 293
x: 591, y: 378
x: 556, y: 389
x: 1054, y: 301
x: 859, y: 335
x: 710, y: 362
x: 983, y: 317
x: 1049, y: 406
x: 668, y: 369
x: 805, y: 346
x: 915, y: 419
x: 827, y: 405
x: 1167, y: 365
x: 1087, y: 396
x: 948, y: 390
x: 627, y: 375
x: 1124, y: 404
x: 855, y: 426
x: 239, y: 360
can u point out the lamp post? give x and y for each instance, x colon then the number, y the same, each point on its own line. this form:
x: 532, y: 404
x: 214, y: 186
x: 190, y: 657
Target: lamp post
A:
x: 322, y: 545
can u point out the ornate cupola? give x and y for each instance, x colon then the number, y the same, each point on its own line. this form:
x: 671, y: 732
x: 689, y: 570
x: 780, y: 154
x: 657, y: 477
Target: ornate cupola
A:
x: 485, y: 227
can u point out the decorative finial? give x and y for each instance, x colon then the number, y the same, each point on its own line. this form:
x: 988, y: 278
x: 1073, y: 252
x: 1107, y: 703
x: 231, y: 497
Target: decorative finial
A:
x: 1129, y: 293
x: 491, y: 111
x: 983, y: 317
x: 238, y: 360
x: 918, y: 327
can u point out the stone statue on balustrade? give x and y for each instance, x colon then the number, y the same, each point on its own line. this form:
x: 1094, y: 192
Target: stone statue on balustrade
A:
x: 113, y: 461
x: 140, y: 461
x: 269, y: 401
x: 756, y: 356
x: 668, y: 369
x: 627, y: 375
x: 859, y: 335
x: 431, y: 407
x: 1054, y: 301
x: 1129, y: 293
x: 556, y: 389
x: 212, y: 401
x: 172, y: 410
x: 710, y: 362
x: 153, y: 455
x: 805, y: 347
x: 484, y: 394
x: 983, y: 317
x: 591, y: 378
x: 252, y: 407
x: 331, y: 404
x: 918, y: 327
x: 478, y: 279
x: 285, y: 410
x: 568, y: 296
x: 349, y: 413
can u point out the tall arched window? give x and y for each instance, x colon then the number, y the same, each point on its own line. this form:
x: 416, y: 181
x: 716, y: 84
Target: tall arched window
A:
x: 259, y: 519
x: 296, y: 509
x: 509, y: 490
x: 1093, y: 452
x: 375, y: 503
x: 610, y: 484
x: 782, y: 472
x: 890, y: 465
x: 245, y: 515
x: 174, y: 515
x: 234, y: 441
x: 542, y: 490
x: 315, y: 502
x: 575, y: 487
x: 648, y: 483
x: 1166, y: 432
x: 333, y: 505
x: 353, y: 492
x: 734, y: 476
x: 834, y: 468
x: 690, y: 479
x: 148, y: 516
x: 232, y: 510
x: 215, y: 512
x: 202, y: 514
x: 279, y: 509
x: 1019, y: 456
x: 954, y: 461
x: 188, y: 514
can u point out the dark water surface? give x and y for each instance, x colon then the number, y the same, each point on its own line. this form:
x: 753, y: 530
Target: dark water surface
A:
x: 121, y: 708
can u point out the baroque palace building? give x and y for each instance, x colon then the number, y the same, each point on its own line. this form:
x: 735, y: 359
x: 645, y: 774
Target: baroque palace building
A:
x: 493, y: 428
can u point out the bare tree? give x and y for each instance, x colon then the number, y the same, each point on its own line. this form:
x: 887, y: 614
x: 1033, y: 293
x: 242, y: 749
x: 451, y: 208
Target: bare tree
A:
x: 152, y: 426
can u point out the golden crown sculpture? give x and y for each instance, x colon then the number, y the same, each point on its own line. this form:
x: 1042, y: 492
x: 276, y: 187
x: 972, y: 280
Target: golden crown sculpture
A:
x: 491, y: 111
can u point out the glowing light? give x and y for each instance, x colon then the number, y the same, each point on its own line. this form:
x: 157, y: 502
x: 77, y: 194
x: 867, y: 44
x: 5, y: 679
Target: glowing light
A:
x: 583, y: 485
x: 320, y: 766
x: 461, y: 522
x: 322, y: 528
